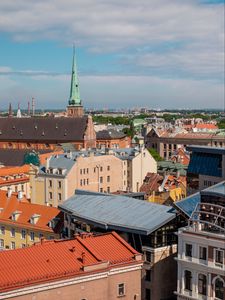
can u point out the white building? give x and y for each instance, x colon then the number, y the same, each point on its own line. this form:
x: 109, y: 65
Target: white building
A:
x: 201, y: 249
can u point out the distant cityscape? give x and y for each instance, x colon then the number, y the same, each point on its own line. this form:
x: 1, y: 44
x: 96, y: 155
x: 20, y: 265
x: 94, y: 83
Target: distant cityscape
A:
x: 129, y: 200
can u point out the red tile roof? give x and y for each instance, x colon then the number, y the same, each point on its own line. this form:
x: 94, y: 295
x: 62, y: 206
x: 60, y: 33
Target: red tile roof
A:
x: 27, y: 210
x: 8, y: 171
x: 206, y: 126
x: 61, y: 259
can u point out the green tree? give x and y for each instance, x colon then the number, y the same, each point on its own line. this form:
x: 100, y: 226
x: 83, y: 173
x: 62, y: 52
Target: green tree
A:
x: 31, y: 158
x: 155, y: 154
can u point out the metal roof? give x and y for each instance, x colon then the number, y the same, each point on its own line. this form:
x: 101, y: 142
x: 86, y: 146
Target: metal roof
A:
x: 118, y: 212
x: 187, y: 205
x: 217, y: 190
x: 206, y: 149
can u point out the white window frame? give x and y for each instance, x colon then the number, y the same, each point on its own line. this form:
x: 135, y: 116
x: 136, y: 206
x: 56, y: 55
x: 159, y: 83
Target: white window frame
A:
x: 13, y: 230
x: 13, y: 247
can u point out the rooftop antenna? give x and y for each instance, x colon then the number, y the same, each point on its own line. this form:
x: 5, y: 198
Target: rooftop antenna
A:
x: 28, y: 108
x: 33, y: 107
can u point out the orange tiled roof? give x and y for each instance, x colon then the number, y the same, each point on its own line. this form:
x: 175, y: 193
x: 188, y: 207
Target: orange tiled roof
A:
x: 43, y: 157
x: 54, y: 260
x: 7, y: 171
x: 206, y: 126
x: 27, y: 209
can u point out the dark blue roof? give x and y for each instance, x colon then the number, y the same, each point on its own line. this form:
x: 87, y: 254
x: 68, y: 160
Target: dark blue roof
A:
x: 205, y: 164
x: 188, y: 204
x: 206, y: 149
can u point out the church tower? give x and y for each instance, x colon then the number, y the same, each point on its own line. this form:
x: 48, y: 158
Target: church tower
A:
x: 74, y: 109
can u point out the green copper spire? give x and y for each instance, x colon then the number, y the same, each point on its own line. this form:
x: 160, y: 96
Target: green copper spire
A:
x: 74, y: 88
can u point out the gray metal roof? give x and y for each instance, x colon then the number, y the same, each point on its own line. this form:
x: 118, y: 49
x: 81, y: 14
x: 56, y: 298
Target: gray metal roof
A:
x: 217, y: 190
x: 118, y: 212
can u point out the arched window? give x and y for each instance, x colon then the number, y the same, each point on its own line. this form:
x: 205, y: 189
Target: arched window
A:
x: 187, y: 280
x: 219, y: 289
x: 202, y: 284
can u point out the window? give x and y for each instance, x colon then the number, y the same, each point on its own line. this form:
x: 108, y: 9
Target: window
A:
x: 108, y: 189
x: 219, y: 289
x: 2, y: 230
x: 202, y: 284
x: 40, y: 235
x: 1, y: 243
x: 101, y: 169
x: 108, y: 178
x: 121, y: 289
x: 187, y: 280
x: 94, y: 170
x: 87, y: 170
x: 50, y: 183
x: 50, y: 195
x: 13, y: 245
x: 60, y: 171
x: 22, y: 187
x: 202, y: 253
x: 59, y: 196
x: 188, y: 250
x: 147, y: 294
x: 80, y: 171
x: 101, y: 179
x: 23, y: 245
x: 32, y: 236
x: 148, y: 256
x: 101, y: 190
x: 87, y: 181
x: 13, y: 232
x: 148, y: 275
x: 108, y: 168
x: 81, y: 182
x: 23, y: 234
x: 59, y: 184
x: 83, y: 171
x: 218, y: 257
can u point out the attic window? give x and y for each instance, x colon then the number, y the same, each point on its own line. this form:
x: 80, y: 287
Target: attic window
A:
x: 34, y: 218
x: 43, y: 133
x: 35, y: 127
x: 21, y: 132
x: 56, y: 126
x: 14, y: 127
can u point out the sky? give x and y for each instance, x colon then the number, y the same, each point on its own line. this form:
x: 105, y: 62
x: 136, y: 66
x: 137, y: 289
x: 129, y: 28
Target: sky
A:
x: 130, y: 53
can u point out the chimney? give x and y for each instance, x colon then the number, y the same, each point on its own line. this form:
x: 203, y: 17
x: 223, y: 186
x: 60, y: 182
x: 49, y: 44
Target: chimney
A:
x: 83, y: 257
x: 9, y: 192
x: 20, y: 195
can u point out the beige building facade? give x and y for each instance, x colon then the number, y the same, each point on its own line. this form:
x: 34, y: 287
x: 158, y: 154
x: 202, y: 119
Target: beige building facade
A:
x: 53, y: 184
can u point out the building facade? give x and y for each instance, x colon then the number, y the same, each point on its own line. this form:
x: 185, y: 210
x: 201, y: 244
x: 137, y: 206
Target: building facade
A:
x: 201, y: 249
x: 22, y: 223
x: 73, y: 269
x: 54, y: 183
x: 148, y: 227
x: 166, y: 143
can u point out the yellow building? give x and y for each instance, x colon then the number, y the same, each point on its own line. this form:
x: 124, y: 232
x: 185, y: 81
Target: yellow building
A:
x: 23, y: 223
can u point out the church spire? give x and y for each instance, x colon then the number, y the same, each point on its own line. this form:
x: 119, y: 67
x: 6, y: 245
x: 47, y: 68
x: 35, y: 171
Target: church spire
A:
x: 74, y: 88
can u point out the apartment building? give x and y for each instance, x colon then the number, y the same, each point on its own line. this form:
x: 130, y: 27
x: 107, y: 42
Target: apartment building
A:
x: 57, y: 180
x: 166, y: 142
x: 96, y: 267
x: 137, y: 162
x: 148, y: 227
x: 201, y: 248
x: 22, y: 223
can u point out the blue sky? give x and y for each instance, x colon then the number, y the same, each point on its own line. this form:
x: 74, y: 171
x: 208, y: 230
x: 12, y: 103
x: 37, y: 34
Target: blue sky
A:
x: 150, y: 53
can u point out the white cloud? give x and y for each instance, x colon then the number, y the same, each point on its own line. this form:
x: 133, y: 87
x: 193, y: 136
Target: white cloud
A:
x: 120, y: 25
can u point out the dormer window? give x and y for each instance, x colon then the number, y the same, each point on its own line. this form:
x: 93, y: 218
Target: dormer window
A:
x: 34, y: 218
x: 53, y: 223
x: 15, y: 215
